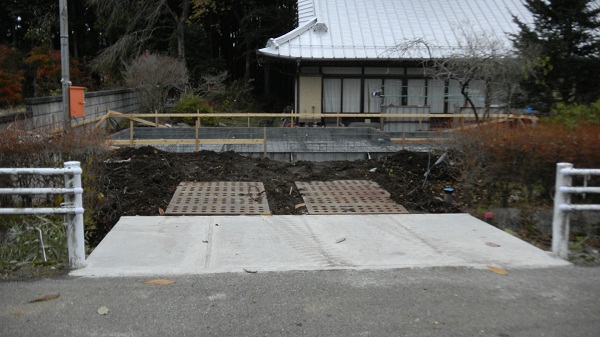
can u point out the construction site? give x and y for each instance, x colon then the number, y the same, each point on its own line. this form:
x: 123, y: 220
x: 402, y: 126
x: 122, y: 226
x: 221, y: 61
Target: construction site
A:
x: 282, y: 144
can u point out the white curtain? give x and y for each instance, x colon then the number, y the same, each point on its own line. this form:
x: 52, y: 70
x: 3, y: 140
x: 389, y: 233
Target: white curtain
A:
x: 372, y: 104
x: 416, y: 92
x: 392, y: 92
x: 477, y: 93
x: 332, y: 95
x: 351, y: 96
x: 455, y: 98
x: 435, y: 95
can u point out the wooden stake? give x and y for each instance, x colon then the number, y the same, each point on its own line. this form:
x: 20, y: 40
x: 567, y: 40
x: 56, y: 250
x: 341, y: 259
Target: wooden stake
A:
x: 197, y: 129
x: 131, y: 133
x: 265, y: 142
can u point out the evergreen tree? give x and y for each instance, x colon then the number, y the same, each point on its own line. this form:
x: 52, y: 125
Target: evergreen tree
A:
x: 564, y: 45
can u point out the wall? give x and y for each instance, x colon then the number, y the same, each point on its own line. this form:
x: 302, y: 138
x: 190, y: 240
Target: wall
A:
x: 47, y: 112
x: 310, y: 97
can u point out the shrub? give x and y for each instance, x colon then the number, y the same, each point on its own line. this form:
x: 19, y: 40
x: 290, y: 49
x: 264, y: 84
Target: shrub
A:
x: 518, y: 164
x: 20, y: 149
x: 573, y: 115
x: 190, y: 103
x: 22, y: 241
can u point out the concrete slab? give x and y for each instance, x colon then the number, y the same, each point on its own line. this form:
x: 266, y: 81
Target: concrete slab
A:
x: 215, y: 244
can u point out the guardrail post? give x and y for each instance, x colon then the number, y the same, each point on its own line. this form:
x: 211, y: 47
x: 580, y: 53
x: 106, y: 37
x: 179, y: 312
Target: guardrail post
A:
x: 74, y: 221
x: 560, y: 218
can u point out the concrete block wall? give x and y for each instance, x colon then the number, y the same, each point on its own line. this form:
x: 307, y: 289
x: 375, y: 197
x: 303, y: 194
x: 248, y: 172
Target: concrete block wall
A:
x: 47, y: 112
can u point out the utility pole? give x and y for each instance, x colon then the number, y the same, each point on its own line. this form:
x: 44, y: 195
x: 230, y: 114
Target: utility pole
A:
x: 64, y: 62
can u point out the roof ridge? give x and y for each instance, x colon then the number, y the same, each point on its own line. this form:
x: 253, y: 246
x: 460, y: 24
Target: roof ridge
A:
x: 275, y: 42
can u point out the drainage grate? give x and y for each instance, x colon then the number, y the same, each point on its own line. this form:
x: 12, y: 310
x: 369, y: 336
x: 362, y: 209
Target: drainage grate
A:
x: 347, y: 196
x: 220, y: 197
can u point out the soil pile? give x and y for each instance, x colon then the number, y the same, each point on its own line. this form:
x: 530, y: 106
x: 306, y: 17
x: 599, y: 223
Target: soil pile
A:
x: 142, y: 181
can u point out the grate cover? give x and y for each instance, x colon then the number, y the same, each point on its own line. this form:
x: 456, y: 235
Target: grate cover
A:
x: 220, y: 197
x: 347, y: 196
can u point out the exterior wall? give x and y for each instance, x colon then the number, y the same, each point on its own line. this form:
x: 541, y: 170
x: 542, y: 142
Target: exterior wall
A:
x: 310, y: 96
x: 47, y: 112
x: 403, y: 90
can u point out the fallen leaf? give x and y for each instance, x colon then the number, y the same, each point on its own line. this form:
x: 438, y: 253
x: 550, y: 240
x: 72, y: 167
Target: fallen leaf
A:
x: 159, y: 282
x: 340, y: 240
x: 498, y: 270
x: 102, y: 310
x: 250, y: 271
x: 161, y: 211
x: 300, y: 205
x: 45, y: 298
x: 491, y: 244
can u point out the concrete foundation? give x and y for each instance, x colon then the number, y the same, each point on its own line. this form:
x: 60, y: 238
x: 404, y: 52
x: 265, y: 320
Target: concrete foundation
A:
x: 291, y: 144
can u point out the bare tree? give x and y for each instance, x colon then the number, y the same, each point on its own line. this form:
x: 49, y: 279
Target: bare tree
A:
x: 152, y: 76
x: 134, y: 22
x: 479, y: 56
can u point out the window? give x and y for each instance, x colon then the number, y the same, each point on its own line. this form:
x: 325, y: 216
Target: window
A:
x: 351, y: 97
x: 332, y: 95
x: 372, y: 104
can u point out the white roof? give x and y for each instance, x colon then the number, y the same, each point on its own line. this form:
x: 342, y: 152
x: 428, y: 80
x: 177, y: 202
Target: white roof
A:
x: 371, y: 29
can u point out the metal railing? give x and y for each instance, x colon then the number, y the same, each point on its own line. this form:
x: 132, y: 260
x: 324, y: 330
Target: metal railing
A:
x: 563, y: 206
x: 72, y: 207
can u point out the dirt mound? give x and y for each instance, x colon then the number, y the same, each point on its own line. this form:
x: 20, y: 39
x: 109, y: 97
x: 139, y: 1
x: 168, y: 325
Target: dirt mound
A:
x: 142, y: 181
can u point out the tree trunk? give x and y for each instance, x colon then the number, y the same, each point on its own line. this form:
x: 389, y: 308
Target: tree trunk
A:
x: 181, y: 21
x: 487, y: 104
x: 181, y: 41
x: 247, y: 67
x: 463, y: 91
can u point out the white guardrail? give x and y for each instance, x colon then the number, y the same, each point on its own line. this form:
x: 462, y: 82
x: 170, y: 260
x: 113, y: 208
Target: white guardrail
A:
x: 563, y: 206
x: 72, y: 207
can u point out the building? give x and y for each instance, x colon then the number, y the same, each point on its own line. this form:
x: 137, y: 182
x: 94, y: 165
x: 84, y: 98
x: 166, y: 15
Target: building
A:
x: 361, y: 57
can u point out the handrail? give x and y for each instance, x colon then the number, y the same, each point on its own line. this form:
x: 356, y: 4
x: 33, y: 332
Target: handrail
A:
x: 72, y: 207
x: 563, y: 207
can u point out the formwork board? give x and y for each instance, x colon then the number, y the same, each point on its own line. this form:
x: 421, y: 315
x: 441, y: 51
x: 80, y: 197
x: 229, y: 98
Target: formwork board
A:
x: 219, y: 198
x: 347, y: 196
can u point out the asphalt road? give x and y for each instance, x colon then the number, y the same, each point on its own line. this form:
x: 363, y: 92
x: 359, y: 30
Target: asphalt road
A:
x: 447, y: 301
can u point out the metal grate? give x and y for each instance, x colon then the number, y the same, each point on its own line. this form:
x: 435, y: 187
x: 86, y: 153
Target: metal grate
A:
x: 219, y: 197
x: 347, y: 196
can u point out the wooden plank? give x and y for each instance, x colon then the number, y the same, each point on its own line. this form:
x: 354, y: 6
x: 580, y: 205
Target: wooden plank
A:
x: 105, y: 117
x: 326, y: 115
x: 132, y: 117
x: 418, y: 140
x: 185, y: 141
